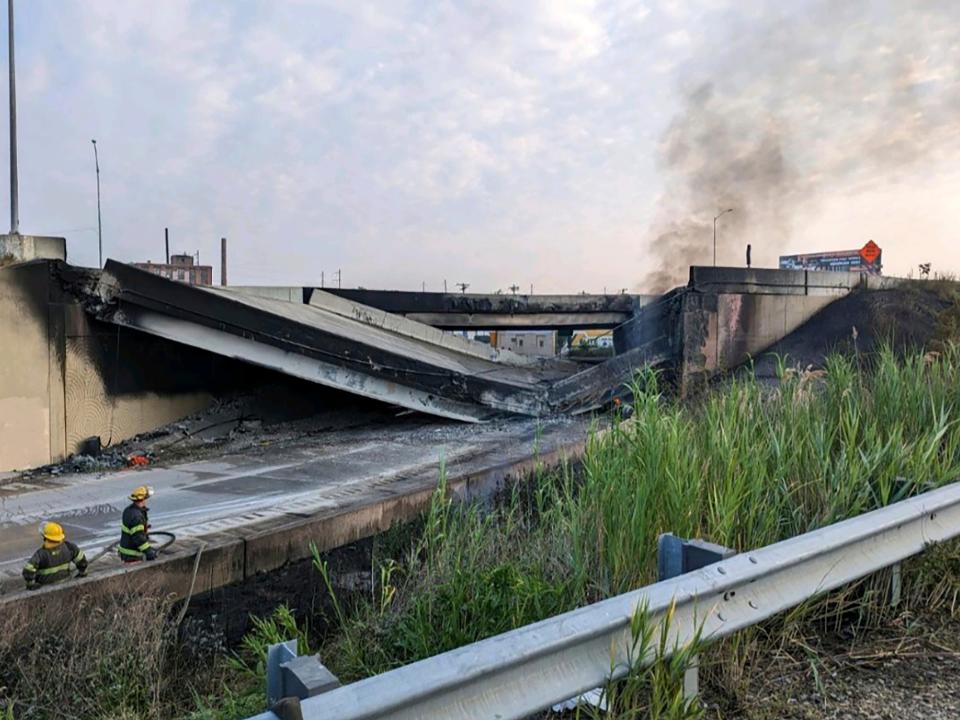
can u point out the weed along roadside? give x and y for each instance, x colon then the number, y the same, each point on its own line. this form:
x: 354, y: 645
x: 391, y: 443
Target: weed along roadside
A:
x: 745, y: 466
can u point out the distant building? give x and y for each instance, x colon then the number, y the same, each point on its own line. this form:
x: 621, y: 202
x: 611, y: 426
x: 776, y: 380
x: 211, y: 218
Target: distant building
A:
x: 180, y: 268
x: 592, y: 338
x: 535, y: 343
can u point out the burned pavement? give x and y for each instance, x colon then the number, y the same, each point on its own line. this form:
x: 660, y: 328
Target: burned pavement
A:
x: 381, y: 471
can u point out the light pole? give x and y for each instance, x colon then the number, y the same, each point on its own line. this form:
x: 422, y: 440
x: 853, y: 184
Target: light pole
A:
x: 96, y: 163
x: 14, y: 193
x: 715, y: 218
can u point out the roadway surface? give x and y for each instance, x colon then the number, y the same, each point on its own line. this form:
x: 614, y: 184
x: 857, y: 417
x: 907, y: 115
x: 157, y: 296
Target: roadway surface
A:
x: 302, y: 477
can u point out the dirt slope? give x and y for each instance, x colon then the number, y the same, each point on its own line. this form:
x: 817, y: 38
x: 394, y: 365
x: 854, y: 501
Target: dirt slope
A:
x: 917, y: 315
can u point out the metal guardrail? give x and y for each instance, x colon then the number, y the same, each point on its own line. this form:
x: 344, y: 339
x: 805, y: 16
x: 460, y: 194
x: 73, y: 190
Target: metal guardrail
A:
x: 521, y: 672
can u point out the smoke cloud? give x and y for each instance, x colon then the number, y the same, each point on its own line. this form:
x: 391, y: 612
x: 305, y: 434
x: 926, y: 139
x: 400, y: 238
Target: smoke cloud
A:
x: 838, y: 98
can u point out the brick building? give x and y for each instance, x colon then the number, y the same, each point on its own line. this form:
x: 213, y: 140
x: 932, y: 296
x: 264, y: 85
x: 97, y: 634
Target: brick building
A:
x: 181, y: 268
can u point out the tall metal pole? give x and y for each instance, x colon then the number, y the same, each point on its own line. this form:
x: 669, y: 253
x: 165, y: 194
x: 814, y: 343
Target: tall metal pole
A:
x: 96, y: 161
x: 14, y: 190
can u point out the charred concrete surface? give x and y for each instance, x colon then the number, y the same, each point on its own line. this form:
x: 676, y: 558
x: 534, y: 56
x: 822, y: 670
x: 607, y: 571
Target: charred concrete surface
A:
x: 498, y: 311
x: 115, y: 354
x: 68, y: 376
x: 121, y: 352
x: 247, y: 514
x: 324, y: 347
x: 730, y: 315
x: 340, y: 343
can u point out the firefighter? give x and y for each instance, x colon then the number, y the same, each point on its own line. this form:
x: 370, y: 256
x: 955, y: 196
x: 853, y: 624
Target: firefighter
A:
x: 51, y: 563
x: 135, y: 528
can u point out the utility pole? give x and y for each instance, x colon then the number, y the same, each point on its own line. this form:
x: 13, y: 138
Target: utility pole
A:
x: 96, y: 163
x: 717, y: 217
x: 444, y: 285
x: 14, y: 190
x: 338, y: 279
x: 166, y: 243
x: 463, y: 287
x: 321, y: 279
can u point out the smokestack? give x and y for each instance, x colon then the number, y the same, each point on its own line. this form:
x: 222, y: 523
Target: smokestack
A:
x: 223, y: 262
x: 166, y: 242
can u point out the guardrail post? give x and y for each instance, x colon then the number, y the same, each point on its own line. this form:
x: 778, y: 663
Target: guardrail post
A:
x: 276, y: 656
x: 291, y: 678
x: 896, y: 585
x: 676, y: 556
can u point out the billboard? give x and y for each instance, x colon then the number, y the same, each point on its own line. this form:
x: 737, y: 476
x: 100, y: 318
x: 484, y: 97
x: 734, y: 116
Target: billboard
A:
x: 867, y: 259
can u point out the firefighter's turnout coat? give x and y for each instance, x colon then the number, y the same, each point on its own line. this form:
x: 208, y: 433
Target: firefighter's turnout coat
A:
x: 134, y: 541
x: 51, y: 563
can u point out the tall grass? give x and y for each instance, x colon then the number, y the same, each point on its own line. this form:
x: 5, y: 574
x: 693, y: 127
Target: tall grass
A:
x: 104, y: 661
x: 749, y: 465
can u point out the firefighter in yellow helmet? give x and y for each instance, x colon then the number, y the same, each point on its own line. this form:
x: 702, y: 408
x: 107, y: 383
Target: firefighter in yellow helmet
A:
x: 51, y: 563
x: 135, y: 528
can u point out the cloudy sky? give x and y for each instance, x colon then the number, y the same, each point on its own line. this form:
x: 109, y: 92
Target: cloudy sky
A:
x: 572, y: 145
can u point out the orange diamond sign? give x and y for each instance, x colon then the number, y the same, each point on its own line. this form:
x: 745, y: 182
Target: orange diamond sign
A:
x: 870, y: 252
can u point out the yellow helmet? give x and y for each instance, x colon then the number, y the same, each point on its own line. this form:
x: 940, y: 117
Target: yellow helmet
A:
x: 52, y: 531
x: 141, y: 493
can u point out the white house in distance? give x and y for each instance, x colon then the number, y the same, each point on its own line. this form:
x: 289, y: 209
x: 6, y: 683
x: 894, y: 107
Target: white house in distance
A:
x: 535, y: 343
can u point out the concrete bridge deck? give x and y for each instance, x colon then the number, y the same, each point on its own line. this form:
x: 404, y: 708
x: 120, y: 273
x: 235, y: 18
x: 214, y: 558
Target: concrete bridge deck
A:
x: 475, y: 311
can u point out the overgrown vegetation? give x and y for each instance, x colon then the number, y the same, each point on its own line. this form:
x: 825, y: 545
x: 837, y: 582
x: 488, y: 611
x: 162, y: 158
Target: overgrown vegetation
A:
x: 750, y: 466
x: 747, y: 466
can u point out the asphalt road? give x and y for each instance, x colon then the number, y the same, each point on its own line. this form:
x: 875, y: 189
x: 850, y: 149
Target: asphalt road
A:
x: 199, y: 498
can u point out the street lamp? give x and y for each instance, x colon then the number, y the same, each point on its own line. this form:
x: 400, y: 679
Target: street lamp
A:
x: 715, y: 218
x: 96, y: 162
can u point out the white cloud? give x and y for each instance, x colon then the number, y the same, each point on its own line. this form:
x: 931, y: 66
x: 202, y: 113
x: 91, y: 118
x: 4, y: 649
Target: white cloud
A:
x: 492, y: 141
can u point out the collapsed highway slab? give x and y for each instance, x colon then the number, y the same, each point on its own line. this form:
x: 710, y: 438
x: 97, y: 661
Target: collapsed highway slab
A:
x: 411, y: 367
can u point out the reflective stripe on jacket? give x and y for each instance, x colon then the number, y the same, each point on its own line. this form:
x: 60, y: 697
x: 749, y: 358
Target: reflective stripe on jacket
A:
x: 134, y: 541
x: 49, y: 565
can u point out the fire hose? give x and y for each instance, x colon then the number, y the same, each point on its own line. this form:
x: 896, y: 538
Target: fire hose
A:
x: 170, y: 539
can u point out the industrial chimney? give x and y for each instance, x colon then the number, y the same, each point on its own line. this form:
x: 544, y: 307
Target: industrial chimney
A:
x: 223, y: 262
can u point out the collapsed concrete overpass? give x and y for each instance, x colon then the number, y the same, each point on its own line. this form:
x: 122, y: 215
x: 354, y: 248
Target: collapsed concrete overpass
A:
x: 340, y: 343
x: 118, y: 353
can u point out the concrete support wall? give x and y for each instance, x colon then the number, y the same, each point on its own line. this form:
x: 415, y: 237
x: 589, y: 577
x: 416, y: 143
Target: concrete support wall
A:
x: 731, y: 314
x: 99, y: 397
x: 31, y: 425
x: 64, y: 378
